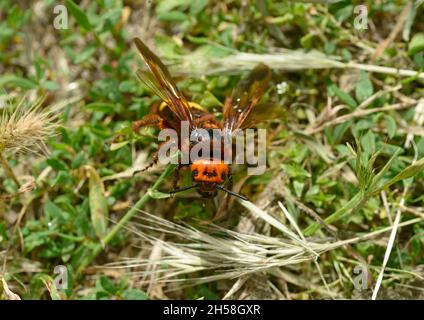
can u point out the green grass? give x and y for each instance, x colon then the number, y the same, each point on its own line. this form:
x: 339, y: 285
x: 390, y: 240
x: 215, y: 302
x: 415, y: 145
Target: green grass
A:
x: 346, y: 147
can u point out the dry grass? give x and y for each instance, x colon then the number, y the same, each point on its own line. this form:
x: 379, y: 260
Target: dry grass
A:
x: 26, y: 129
x: 196, y: 64
x: 184, y: 255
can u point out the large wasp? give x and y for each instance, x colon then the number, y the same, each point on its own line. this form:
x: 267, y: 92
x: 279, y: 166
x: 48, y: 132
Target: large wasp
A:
x: 210, y: 173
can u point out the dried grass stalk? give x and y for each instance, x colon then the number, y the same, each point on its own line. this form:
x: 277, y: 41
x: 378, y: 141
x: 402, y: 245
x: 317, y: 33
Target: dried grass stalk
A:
x: 290, y: 60
x: 221, y: 253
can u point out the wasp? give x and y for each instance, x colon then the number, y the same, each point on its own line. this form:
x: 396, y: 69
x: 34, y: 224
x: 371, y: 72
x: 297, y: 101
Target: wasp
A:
x: 210, y: 173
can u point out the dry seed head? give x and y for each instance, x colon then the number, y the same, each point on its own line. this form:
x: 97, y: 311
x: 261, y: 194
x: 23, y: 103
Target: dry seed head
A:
x: 26, y: 128
x: 222, y: 253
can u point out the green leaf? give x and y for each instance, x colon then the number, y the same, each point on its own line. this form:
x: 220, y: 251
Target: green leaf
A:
x: 344, y: 11
x: 379, y: 176
x: 155, y: 194
x: 307, y: 40
x: 343, y: 96
x: 16, y: 81
x: 166, y: 6
x: 353, y: 203
x: 391, y: 126
x: 105, y: 107
x: 57, y: 164
x: 107, y: 285
x: 111, y: 18
x: 173, y: 16
x: 167, y: 47
x: 408, y: 23
x: 298, y: 188
x: 364, y: 87
x: 208, y: 52
x: 335, y: 134
x: 53, y: 212
x: 197, y: 6
x: 51, y: 287
x: 50, y: 85
x: 134, y: 294
x: 209, y: 100
x: 118, y: 145
x: 417, y: 44
x: 128, y: 86
x: 78, y: 160
x: 368, y: 142
x: 78, y: 14
x: 85, y: 54
x: 295, y: 170
x: 419, y: 60
x: 98, y: 204
x: 407, y: 173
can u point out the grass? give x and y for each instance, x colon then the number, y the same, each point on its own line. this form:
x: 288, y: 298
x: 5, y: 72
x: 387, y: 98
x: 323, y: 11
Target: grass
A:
x: 343, y: 188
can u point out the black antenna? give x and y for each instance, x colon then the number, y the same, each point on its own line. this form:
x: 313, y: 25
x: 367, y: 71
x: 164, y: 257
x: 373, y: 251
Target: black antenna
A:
x: 183, y: 189
x: 231, y: 192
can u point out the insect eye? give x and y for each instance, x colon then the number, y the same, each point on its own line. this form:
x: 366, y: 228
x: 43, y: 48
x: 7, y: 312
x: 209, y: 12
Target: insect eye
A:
x: 195, y: 172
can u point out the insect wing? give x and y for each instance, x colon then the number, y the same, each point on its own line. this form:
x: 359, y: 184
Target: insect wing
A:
x: 263, y: 112
x: 245, y: 96
x: 159, y: 80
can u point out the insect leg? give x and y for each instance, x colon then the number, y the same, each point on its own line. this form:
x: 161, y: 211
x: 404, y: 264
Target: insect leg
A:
x: 183, y: 189
x: 230, y: 180
x: 223, y: 208
x: 151, y: 164
x: 228, y: 197
x: 176, y: 177
x: 177, y: 170
x: 149, y: 120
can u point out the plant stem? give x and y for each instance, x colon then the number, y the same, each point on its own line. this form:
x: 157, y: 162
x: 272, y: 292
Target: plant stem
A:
x: 8, y: 170
x: 140, y: 203
x: 135, y: 209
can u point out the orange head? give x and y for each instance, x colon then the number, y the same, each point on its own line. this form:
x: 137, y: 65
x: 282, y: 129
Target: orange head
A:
x: 205, y: 170
x: 208, y: 174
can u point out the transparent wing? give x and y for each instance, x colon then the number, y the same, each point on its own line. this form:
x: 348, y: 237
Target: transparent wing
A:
x: 263, y: 112
x: 159, y: 80
x: 245, y: 96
